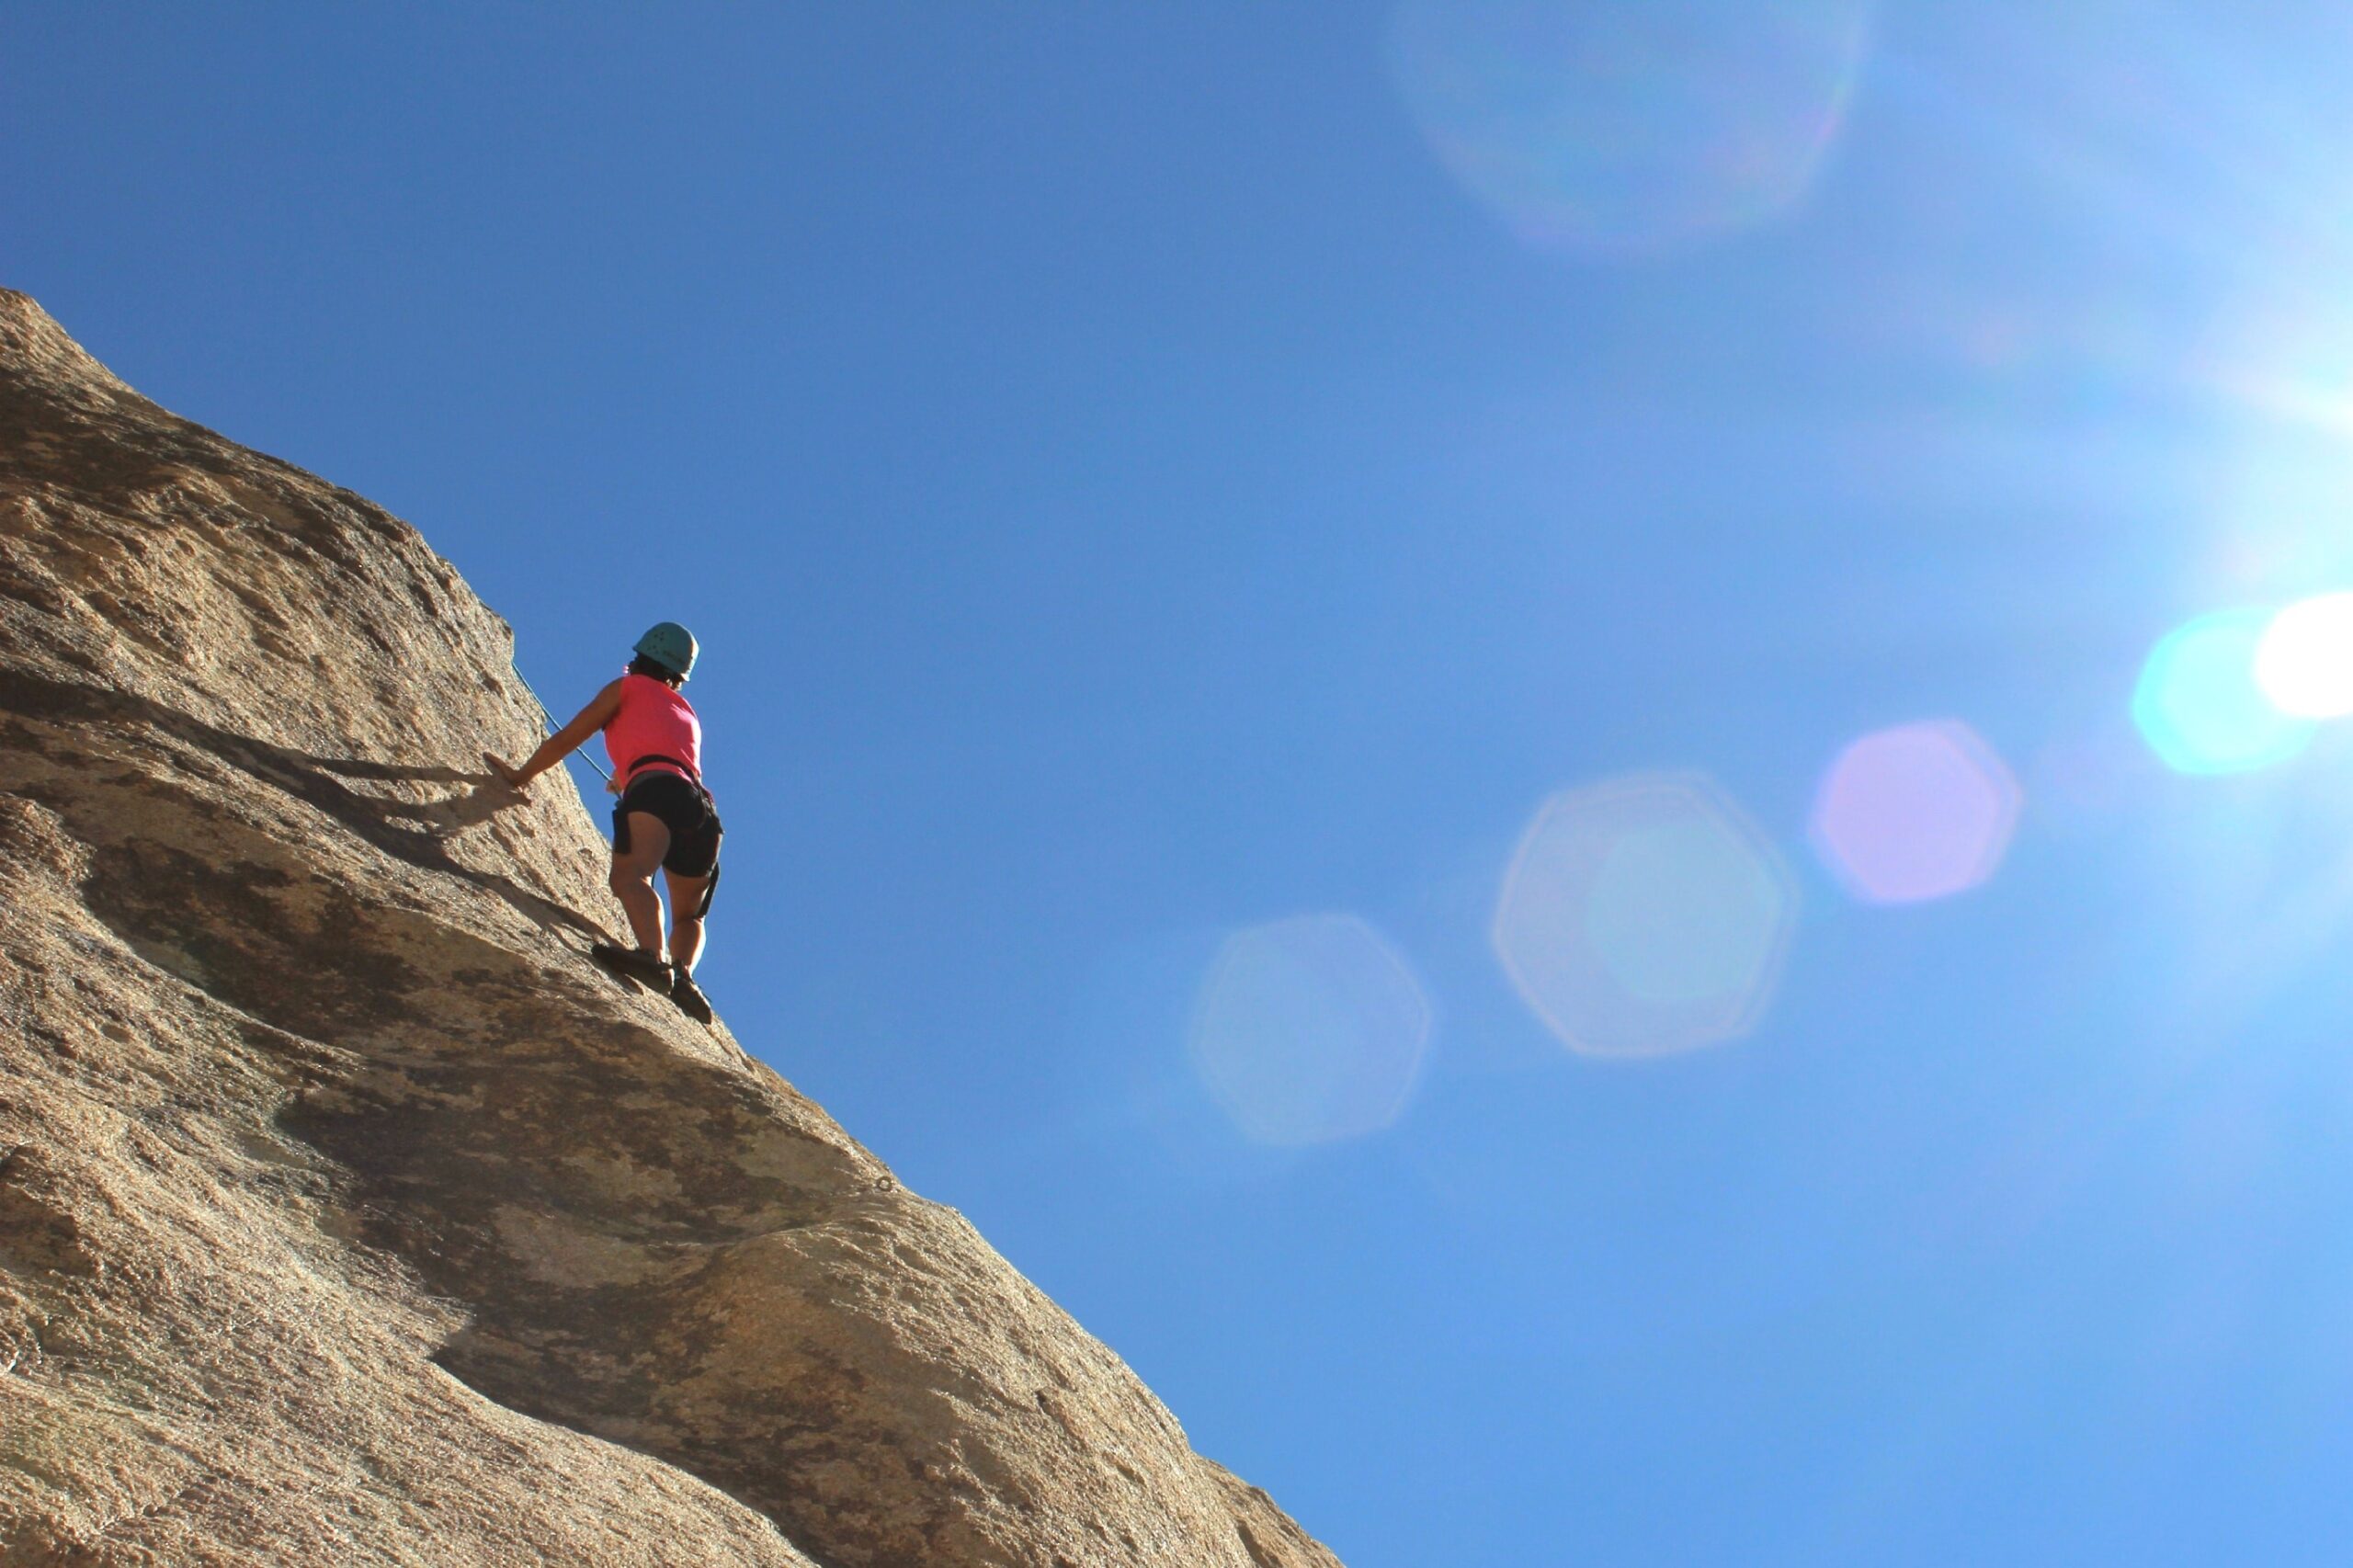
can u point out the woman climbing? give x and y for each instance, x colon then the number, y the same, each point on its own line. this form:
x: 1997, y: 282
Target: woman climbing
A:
x: 665, y: 817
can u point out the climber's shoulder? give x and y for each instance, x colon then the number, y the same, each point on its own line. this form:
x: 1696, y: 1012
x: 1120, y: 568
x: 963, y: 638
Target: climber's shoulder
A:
x: 608, y: 702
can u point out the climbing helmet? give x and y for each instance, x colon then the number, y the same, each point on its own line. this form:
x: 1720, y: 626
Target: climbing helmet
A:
x: 670, y: 645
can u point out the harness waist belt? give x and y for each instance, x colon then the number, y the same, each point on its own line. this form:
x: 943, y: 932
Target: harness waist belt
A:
x: 692, y: 777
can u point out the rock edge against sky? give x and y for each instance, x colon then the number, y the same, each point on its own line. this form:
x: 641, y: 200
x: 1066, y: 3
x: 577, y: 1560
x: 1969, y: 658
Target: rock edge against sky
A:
x: 347, y: 1213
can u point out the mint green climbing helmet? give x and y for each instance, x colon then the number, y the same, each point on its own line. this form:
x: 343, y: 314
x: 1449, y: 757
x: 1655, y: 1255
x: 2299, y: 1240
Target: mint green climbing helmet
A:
x: 670, y: 645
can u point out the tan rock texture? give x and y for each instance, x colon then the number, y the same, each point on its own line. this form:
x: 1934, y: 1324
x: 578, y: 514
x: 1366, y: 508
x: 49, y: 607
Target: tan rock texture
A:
x: 347, y: 1213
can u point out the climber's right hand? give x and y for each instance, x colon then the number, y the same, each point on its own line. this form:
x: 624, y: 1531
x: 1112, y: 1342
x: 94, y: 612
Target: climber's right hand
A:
x: 512, y: 777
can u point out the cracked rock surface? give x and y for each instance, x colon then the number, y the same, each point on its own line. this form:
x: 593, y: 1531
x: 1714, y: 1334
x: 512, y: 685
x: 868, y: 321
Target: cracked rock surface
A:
x: 347, y: 1214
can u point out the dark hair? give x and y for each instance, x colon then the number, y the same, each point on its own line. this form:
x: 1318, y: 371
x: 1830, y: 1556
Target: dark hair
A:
x: 642, y: 666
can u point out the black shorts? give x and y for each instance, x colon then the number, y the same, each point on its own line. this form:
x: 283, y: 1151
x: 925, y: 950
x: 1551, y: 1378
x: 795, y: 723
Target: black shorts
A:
x: 684, y: 809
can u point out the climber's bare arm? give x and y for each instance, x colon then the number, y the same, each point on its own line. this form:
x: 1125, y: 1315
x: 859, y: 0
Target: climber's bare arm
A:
x: 564, y: 742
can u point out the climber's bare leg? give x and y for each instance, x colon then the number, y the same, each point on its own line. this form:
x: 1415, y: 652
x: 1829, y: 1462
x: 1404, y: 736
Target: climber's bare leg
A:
x: 633, y: 877
x: 687, y: 894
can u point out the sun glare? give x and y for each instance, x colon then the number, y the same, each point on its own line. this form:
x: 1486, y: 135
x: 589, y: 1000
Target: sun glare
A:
x: 2199, y: 705
x: 2305, y: 661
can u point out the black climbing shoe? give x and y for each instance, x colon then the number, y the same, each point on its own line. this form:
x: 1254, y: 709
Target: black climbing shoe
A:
x: 648, y: 970
x: 690, y: 996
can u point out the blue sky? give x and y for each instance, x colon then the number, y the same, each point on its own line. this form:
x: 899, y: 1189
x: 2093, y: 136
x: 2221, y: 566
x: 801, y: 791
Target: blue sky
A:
x: 1136, y: 486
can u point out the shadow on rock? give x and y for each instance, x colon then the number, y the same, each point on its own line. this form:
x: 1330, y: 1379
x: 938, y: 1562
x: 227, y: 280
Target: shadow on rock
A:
x: 318, y: 781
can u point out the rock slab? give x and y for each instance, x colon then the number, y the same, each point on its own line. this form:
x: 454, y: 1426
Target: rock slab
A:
x: 348, y: 1215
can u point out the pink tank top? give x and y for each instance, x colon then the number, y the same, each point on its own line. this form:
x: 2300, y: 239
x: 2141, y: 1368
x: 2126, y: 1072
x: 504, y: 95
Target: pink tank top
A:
x: 654, y: 720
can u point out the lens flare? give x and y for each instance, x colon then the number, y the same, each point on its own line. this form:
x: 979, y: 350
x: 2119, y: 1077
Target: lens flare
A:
x: 2200, y: 706
x: 1643, y: 917
x: 1918, y: 811
x: 2305, y: 661
x: 1629, y: 125
x: 1310, y: 1030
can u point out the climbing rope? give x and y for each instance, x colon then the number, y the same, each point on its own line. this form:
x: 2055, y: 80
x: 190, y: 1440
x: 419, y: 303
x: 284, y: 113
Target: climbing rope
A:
x: 552, y: 725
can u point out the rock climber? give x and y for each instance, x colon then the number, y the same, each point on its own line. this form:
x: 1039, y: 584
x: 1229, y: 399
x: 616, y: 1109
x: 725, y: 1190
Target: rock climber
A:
x: 665, y: 817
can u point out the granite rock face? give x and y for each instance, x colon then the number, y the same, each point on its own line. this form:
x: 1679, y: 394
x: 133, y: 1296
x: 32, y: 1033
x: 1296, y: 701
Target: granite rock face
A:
x: 347, y: 1214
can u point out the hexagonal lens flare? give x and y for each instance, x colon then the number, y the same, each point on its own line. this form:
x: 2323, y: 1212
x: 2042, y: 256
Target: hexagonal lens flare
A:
x: 1310, y: 1030
x: 1644, y: 915
x: 1628, y: 126
x: 1918, y: 811
x: 2198, y: 703
x: 2305, y: 660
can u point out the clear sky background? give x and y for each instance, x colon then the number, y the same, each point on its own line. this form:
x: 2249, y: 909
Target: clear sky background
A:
x: 1169, y: 492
